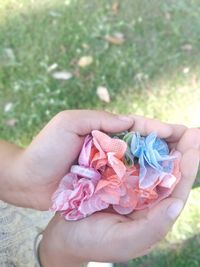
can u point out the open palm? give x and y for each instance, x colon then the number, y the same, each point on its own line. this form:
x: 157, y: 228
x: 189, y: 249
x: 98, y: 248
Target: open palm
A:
x: 106, y: 236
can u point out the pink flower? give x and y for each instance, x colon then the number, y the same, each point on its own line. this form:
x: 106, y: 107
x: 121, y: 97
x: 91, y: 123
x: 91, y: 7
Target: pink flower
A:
x: 121, y: 193
x: 75, y: 198
x: 100, y: 150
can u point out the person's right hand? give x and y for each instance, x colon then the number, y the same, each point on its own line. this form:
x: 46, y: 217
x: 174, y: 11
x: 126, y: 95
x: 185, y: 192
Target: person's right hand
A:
x: 109, y: 237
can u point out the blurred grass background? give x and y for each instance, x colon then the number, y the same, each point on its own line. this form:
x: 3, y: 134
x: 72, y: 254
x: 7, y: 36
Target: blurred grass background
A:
x: 152, y: 71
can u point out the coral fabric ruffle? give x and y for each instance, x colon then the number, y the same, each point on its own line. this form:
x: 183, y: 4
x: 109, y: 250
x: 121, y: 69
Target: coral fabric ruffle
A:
x: 129, y: 174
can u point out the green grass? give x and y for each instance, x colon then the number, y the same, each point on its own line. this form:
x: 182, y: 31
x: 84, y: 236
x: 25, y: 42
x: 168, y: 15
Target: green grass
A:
x: 147, y: 67
x: 155, y: 73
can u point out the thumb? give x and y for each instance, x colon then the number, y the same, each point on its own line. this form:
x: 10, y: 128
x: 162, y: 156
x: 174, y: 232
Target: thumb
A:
x: 141, y: 235
x: 59, y: 141
x: 82, y: 122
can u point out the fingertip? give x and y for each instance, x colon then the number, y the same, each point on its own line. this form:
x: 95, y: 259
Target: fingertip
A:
x: 162, y: 129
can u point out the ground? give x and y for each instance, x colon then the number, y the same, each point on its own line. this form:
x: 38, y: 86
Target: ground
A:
x: 145, y: 53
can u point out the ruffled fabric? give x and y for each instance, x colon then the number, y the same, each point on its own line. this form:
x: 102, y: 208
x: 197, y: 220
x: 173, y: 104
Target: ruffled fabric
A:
x: 153, y: 157
x: 75, y: 197
x: 129, y: 173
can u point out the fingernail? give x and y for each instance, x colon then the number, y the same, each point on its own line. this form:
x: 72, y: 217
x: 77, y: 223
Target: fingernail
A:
x: 175, y: 209
x: 125, y: 118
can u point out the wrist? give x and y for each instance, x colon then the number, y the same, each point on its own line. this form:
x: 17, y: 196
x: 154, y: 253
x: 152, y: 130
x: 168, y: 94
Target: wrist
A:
x: 53, y: 257
x: 12, y: 186
x: 53, y: 251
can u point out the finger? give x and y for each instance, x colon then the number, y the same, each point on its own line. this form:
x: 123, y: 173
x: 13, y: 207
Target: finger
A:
x: 189, y: 146
x: 190, y: 139
x: 177, y: 131
x: 171, y: 132
x: 145, y: 126
x: 82, y: 122
x: 140, y: 235
x: 189, y: 168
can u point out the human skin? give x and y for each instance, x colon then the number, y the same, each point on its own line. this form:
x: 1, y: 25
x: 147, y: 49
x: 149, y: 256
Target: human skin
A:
x: 108, y: 237
x: 29, y: 176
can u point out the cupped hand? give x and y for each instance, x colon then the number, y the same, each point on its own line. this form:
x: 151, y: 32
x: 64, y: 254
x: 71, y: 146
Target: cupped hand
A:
x: 108, y: 237
x: 52, y: 152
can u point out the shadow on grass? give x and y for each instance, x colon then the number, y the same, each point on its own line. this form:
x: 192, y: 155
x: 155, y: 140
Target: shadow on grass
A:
x: 185, y: 254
